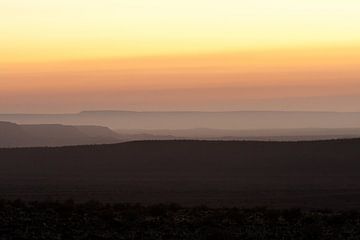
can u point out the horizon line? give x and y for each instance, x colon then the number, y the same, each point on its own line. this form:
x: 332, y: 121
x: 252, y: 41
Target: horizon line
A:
x: 176, y: 111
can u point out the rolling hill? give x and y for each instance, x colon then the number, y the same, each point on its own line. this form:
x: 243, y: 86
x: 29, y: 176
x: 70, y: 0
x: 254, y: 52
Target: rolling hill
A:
x: 245, y: 173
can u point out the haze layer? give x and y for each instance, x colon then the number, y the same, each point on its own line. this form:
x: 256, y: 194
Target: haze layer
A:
x: 62, y: 56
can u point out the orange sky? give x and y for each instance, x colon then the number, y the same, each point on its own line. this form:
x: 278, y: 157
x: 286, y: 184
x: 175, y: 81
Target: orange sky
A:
x: 65, y: 56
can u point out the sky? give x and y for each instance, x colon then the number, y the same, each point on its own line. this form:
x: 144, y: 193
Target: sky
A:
x: 68, y: 56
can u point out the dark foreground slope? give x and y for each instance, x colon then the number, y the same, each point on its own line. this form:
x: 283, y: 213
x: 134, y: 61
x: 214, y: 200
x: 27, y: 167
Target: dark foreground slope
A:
x: 303, y: 174
x: 51, y: 220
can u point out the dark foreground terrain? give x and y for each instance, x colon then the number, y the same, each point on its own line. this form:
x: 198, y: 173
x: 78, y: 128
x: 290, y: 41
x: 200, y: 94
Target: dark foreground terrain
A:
x: 92, y: 220
x: 309, y: 175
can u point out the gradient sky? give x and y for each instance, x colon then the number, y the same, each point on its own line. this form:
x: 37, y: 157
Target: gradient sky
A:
x: 66, y: 56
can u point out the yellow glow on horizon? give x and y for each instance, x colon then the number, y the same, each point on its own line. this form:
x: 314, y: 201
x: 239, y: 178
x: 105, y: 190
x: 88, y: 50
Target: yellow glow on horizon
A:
x: 261, y: 69
x: 43, y: 30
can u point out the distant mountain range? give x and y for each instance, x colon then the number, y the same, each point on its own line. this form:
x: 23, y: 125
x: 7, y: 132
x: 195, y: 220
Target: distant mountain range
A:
x: 190, y: 120
x: 35, y: 135
x: 297, y: 134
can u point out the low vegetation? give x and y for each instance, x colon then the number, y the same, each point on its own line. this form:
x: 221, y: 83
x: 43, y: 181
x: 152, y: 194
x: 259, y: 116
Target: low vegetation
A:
x: 94, y: 220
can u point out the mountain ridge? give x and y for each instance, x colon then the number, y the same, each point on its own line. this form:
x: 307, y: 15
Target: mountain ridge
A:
x: 191, y: 120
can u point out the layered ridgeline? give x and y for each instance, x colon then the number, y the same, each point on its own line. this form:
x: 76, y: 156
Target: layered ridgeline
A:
x: 294, y: 134
x: 34, y: 135
x: 130, y: 126
x: 189, y: 120
x: 316, y: 174
x: 14, y: 135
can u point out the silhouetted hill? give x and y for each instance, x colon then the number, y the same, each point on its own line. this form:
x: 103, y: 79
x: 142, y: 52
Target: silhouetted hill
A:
x: 310, y: 174
x: 190, y: 120
x: 13, y: 135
